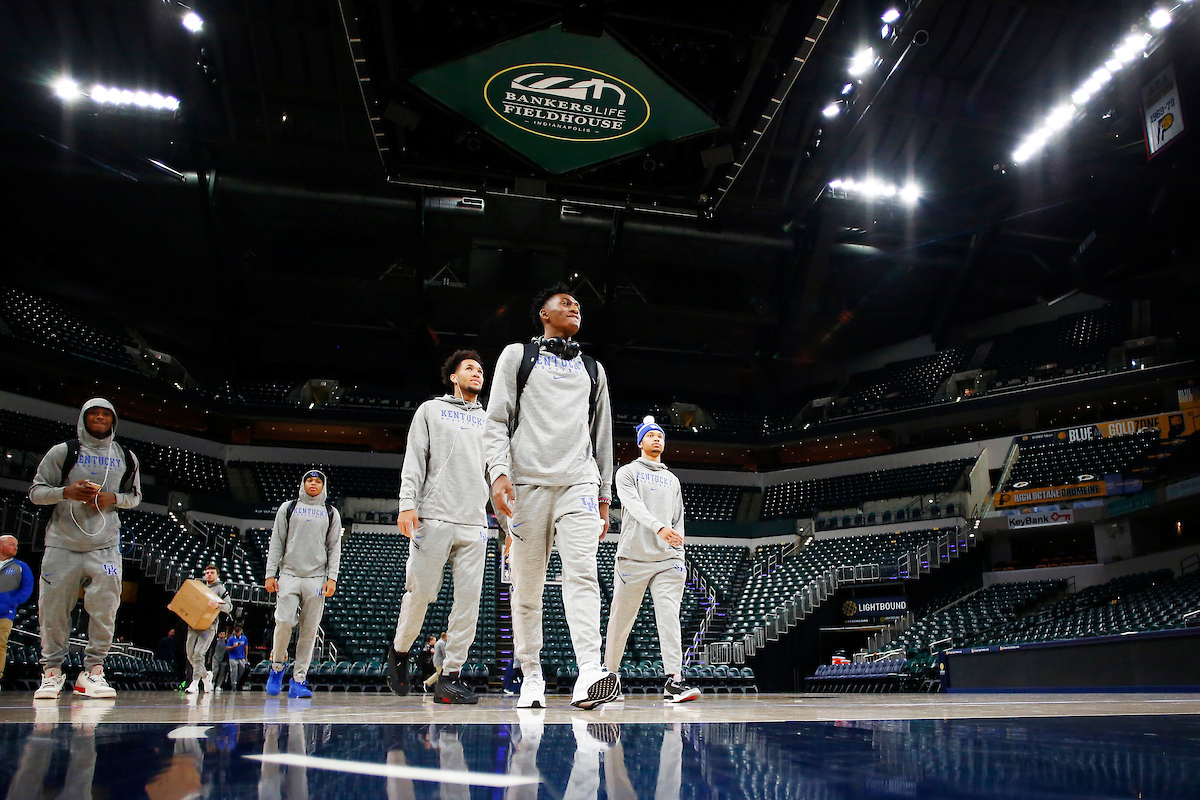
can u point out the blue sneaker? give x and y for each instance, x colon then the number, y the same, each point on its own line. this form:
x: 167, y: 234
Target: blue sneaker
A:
x: 275, y: 681
x: 298, y: 690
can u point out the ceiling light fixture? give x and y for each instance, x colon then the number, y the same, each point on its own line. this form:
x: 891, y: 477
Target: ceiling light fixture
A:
x: 872, y: 188
x: 891, y: 15
x: 191, y: 20
x: 832, y: 110
x: 1136, y: 44
x: 110, y: 95
x: 862, y: 61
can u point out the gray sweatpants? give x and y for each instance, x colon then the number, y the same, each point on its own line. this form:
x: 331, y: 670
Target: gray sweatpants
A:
x: 63, y: 573
x: 465, y: 546
x: 297, y: 596
x: 666, y: 580
x: 569, y: 517
x: 198, y: 643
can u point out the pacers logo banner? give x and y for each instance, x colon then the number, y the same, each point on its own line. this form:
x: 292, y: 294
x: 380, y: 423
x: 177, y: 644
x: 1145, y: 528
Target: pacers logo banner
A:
x: 564, y: 101
x: 567, y: 102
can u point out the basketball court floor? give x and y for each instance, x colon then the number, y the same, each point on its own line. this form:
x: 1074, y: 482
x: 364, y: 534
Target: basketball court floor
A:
x: 164, y: 746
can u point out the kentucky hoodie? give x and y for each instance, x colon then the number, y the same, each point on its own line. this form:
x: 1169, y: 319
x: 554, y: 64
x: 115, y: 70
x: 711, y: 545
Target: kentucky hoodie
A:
x: 552, y: 445
x: 443, y: 476
x: 310, y: 547
x: 75, y: 525
x: 651, y: 499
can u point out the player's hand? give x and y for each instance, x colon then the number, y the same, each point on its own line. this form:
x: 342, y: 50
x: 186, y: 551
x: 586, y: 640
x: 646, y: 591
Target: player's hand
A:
x: 329, y: 588
x: 604, y: 516
x: 213, y: 603
x: 105, y: 500
x: 271, y: 585
x: 503, y: 496
x: 407, y: 522
x: 671, y: 536
x: 80, y: 490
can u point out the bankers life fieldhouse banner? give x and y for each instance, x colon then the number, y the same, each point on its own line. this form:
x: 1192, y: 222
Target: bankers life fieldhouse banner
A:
x: 564, y: 101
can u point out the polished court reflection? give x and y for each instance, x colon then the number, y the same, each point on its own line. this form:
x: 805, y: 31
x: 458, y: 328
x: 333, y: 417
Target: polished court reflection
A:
x: 77, y: 749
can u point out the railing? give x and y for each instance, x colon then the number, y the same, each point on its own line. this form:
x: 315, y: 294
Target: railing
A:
x: 933, y: 646
x: 1190, y: 564
x: 710, y: 597
x: 790, y: 612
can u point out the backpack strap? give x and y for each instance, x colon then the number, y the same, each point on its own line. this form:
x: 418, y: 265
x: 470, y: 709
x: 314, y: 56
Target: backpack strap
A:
x: 287, y: 528
x: 128, y: 460
x: 69, y: 460
x: 329, y: 514
x: 528, y: 360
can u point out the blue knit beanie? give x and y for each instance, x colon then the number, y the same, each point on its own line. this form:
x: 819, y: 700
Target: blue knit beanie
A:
x: 648, y: 424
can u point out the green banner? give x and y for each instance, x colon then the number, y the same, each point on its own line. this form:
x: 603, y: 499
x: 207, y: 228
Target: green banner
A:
x: 1124, y: 505
x: 565, y: 101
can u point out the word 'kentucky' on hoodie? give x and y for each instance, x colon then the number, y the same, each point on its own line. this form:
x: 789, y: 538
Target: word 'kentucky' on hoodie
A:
x: 76, y: 525
x: 310, y: 544
x: 443, y: 476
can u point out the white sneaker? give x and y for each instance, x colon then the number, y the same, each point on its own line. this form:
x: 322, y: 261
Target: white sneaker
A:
x: 595, y: 737
x: 92, y: 683
x: 208, y: 681
x: 532, y: 722
x: 533, y: 692
x: 595, y: 687
x: 52, y: 684
x: 193, y: 687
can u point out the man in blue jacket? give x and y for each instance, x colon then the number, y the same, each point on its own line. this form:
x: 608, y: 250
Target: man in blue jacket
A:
x: 16, y: 585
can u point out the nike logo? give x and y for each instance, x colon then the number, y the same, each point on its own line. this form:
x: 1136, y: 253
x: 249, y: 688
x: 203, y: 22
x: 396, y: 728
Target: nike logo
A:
x: 517, y: 524
x: 559, y: 377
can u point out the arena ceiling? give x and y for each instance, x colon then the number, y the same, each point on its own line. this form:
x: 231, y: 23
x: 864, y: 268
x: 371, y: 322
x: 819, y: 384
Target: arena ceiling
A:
x: 309, y: 208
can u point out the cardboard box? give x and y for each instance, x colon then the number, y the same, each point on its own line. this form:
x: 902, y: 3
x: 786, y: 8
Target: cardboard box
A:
x: 191, y: 604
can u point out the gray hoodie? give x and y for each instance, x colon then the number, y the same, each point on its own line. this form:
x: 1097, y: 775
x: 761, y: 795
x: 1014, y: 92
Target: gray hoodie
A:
x: 651, y: 499
x: 552, y: 445
x: 75, y: 525
x: 311, y: 547
x: 226, y: 606
x: 443, y: 476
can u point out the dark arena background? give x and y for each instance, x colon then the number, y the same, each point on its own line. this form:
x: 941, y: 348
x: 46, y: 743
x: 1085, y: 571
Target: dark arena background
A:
x: 911, y: 287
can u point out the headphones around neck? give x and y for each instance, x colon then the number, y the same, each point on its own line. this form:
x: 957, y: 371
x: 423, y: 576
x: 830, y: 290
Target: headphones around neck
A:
x: 563, y: 348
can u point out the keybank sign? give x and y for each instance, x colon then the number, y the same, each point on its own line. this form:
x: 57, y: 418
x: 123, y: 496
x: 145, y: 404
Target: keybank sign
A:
x: 566, y: 102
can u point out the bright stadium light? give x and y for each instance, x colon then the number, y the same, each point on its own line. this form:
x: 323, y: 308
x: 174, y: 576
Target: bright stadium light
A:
x: 66, y: 89
x: 108, y: 95
x: 1136, y: 44
x: 891, y: 15
x: 873, y: 188
x: 832, y: 110
x: 191, y: 21
x: 863, y: 60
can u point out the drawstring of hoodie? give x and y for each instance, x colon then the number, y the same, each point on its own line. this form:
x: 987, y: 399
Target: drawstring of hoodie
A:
x: 103, y: 483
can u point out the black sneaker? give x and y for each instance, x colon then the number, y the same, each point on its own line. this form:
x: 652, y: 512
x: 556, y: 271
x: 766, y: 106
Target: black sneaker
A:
x: 450, y: 690
x: 397, y: 672
x: 679, y: 692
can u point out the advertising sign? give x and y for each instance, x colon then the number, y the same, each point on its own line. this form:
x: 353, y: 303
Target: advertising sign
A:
x: 563, y: 100
x: 873, y: 609
x: 1170, y: 426
x: 1049, y: 494
x: 1163, y: 115
x: 1041, y: 519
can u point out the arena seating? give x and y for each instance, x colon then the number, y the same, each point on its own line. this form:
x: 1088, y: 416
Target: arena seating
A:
x: 32, y: 433
x: 181, y: 553
x: 717, y: 563
x: 278, y: 482
x: 711, y: 502
x: 1058, y: 463
x: 887, y: 675
x: 902, y: 384
x: 257, y: 393
x: 963, y: 621
x: 766, y: 592
x: 801, y: 498
x: 387, y: 398
x: 49, y: 324
x: 1076, y: 344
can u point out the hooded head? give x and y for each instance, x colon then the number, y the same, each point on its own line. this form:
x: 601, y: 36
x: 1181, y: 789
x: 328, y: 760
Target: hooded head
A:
x: 305, y: 497
x: 81, y: 428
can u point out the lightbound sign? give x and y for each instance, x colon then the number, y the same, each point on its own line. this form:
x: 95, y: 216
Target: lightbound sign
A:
x: 564, y: 101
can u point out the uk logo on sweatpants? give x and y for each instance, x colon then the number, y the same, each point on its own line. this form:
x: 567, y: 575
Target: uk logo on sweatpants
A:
x: 110, y: 569
x: 590, y: 504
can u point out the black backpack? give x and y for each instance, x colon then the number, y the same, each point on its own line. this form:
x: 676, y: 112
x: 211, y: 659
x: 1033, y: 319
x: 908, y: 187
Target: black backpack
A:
x: 127, y: 475
x: 287, y: 528
x: 529, y: 360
